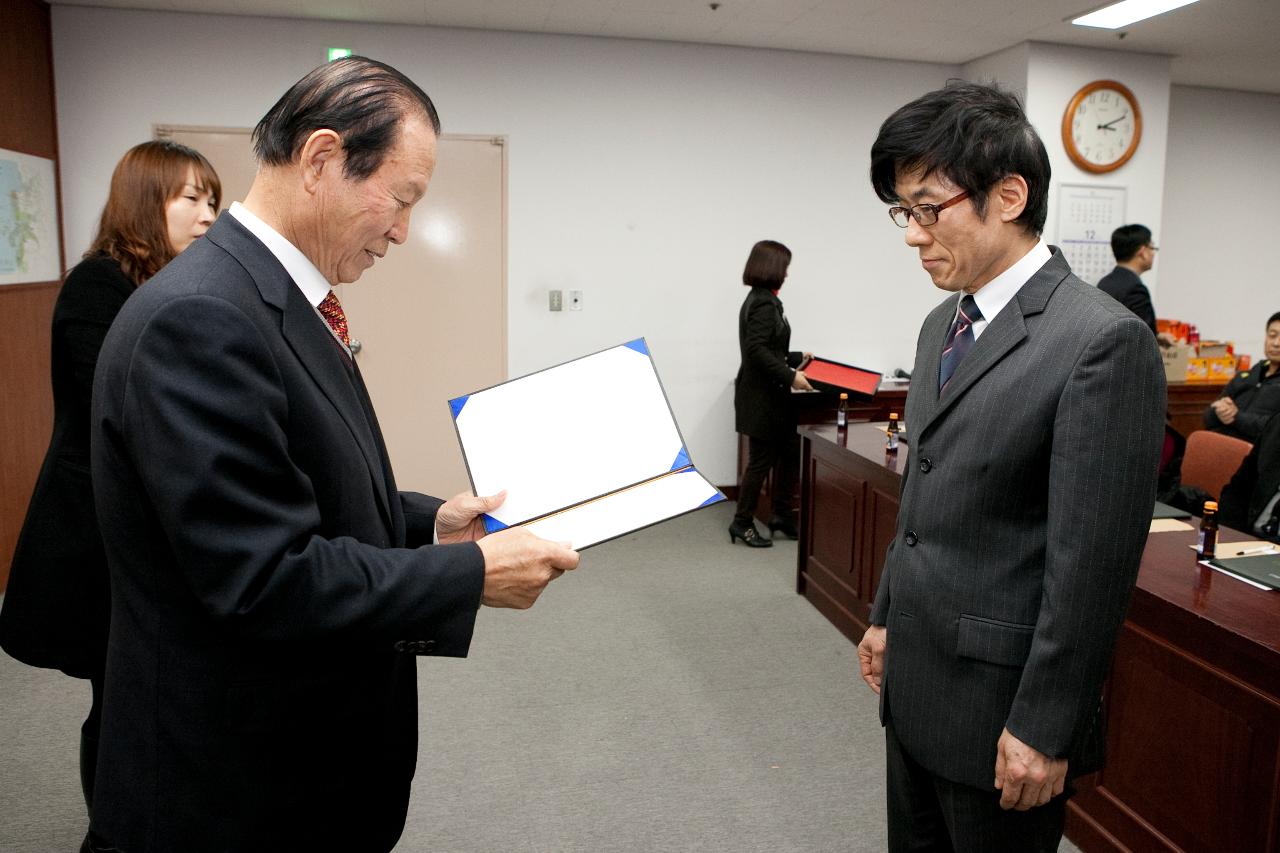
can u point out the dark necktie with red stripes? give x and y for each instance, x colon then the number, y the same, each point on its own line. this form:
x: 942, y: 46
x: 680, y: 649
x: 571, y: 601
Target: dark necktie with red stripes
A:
x: 959, y: 340
x: 331, y: 310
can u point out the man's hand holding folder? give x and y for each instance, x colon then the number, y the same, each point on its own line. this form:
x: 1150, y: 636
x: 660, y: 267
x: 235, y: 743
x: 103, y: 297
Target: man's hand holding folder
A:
x: 517, y: 564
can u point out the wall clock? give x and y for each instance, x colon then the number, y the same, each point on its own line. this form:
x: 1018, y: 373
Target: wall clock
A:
x: 1102, y: 126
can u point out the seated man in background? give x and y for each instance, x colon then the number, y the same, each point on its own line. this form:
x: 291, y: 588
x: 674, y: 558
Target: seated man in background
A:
x: 1252, y: 396
x: 1251, y: 501
x: 1135, y: 254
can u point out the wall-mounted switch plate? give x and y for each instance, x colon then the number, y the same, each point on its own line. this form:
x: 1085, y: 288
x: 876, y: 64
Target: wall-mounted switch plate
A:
x: 556, y: 300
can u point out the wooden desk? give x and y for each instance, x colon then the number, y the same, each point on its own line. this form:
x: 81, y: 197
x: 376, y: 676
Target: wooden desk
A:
x: 820, y: 408
x: 1193, y: 740
x: 1193, y: 701
x: 1187, y: 402
x: 848, y: 512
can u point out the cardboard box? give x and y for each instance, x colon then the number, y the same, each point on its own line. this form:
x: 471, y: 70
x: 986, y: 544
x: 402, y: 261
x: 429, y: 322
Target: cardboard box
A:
x: 1177, y: 359
x: 1213, y: 349
x: 1208, y: 369
x: 1221, y: 369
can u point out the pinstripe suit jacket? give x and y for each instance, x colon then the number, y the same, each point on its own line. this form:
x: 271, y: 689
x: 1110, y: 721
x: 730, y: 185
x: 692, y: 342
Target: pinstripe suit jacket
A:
x: 1022, y: 523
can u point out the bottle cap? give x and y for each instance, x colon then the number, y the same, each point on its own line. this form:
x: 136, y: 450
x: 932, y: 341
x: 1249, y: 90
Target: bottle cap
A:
x: 844, y: 396
x: 893, y: 416
x: 1213, y: 505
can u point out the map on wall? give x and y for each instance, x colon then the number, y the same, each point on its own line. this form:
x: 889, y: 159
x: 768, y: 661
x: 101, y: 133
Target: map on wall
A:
x: 28, y: 219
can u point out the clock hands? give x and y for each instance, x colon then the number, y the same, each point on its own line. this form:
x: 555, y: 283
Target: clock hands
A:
x: 1108, y: 126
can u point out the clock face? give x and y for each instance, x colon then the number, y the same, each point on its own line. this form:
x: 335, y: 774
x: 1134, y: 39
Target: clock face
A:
x: 1102, y: 126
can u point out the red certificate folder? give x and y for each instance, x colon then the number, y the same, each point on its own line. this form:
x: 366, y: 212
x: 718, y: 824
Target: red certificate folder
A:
x: 845, y: 377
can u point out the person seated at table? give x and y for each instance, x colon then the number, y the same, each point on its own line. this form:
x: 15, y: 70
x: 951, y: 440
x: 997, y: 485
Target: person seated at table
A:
x: 1252, y: 396
x: 1251, y: 501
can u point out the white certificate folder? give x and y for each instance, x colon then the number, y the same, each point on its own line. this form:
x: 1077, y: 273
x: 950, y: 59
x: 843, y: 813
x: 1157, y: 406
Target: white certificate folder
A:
x: 588, y: 450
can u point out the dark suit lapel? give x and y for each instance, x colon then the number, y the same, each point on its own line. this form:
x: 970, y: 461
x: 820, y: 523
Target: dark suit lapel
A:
x: 305, y: 332
x: 1002, y: 335
x: 388, y: 478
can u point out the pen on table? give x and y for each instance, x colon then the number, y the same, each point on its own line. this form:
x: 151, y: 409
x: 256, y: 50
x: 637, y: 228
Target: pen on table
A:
x: 1267, y: 549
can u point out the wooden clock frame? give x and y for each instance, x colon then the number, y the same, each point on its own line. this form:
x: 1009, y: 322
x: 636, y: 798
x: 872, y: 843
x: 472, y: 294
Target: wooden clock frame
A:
x: 1069, y: 142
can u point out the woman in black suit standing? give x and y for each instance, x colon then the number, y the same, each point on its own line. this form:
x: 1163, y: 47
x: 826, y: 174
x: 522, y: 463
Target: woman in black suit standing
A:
x: 163, y: 196
x: 762, y: 396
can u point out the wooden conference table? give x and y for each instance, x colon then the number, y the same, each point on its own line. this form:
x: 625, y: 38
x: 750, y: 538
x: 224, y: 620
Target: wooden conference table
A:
x: 1193, y: 701
x: 1187, y: 402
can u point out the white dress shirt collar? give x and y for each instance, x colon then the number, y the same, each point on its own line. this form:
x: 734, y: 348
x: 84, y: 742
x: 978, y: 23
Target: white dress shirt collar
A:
x: 313, y: 285
x: 995, y: 294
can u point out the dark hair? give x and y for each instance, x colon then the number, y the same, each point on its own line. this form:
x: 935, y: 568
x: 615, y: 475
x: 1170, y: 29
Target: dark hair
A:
x: 360, y: 99
x: 1127, y: 240
x: 134, y: 228
x: 1272, y: 319
x: 974, y: 134
x: 767, y: 265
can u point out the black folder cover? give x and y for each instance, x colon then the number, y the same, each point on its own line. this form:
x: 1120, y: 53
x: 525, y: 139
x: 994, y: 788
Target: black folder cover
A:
x: 1163, y: 510
x: 1263, y: 568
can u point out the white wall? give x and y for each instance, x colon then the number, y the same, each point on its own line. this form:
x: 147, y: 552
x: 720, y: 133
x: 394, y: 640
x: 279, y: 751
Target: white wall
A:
x: 1055, y: 74
x: 1007, y: 67
x: 1220, y: 214
x: 640, y: 173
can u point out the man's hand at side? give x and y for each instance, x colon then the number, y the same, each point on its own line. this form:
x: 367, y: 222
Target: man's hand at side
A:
x: 871, y: 656
x: 1025, y: 777
x: 518, y: 566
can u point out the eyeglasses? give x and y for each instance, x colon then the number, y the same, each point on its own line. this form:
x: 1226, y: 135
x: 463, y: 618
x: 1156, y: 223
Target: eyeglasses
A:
x: 1153, y: 247
x: 925, y: 214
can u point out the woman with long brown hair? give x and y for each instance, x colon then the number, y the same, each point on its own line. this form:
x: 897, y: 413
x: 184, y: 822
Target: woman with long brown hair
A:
x: 163, y: 196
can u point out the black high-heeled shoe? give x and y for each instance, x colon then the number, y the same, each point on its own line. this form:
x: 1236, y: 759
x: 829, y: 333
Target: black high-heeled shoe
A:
x: 749, y: 536
x: 785, y: 526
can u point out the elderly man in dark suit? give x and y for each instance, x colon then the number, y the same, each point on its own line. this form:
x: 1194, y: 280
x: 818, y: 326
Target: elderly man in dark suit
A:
x: 271, y: 588
x: 1035, y: 417
x: 1135, y: 254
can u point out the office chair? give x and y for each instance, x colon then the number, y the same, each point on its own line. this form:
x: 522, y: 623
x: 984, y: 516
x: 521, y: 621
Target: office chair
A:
x: 1211, y: 459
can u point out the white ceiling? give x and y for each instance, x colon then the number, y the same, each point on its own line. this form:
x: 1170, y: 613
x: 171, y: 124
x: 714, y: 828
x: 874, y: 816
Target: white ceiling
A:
x: 1233, y: 44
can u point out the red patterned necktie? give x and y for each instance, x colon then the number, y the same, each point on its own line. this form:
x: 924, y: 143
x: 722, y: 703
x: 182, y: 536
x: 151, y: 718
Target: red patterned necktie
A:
x: 331, y: 310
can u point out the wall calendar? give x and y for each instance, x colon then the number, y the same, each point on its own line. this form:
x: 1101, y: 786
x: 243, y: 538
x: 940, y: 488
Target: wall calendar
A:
x: 1086, y: 217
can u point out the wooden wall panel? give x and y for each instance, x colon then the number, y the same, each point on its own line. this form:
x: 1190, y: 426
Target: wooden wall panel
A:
x: 28, y: 125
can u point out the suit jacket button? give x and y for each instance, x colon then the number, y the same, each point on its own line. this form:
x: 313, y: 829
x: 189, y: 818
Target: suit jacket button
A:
x: 419, y: 647
x: 910, y: 538
x: 926, y: 464
x: 399, y: 646
x: 428, y: 645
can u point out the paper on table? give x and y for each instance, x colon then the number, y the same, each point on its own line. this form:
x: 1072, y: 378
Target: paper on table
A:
x: 1168, y: 525
x: 1240, y: 549
x: 627, y: 510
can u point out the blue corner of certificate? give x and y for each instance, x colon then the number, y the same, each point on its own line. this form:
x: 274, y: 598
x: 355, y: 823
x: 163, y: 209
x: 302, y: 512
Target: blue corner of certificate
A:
x: 456, y: 404
x: 638, y: 345
x: 682, y: 460
x: 714, y: 499
x: 492, y: 525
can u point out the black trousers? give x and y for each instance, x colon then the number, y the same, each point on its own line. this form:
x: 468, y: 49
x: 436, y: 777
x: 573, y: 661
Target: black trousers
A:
x: 89, y: 740
x: 781, y: 455
x: 929, y: 813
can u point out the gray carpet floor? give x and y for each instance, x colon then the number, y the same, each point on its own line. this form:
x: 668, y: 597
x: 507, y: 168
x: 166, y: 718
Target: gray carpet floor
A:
x: 672, y: 694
